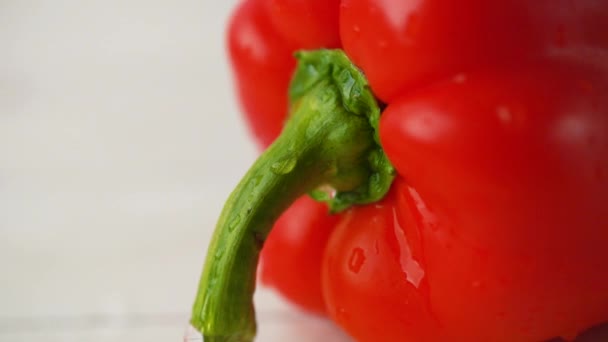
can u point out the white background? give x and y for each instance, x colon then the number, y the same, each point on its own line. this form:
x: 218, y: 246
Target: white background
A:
x: 119, y: 140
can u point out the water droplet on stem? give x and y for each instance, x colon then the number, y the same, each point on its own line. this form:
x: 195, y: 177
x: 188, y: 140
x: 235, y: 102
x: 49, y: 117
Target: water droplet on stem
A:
x: 234, y: 223
x: 284, y: 166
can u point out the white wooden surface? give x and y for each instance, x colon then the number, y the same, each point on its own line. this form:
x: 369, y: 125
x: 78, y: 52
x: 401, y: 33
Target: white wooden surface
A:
x: 119, y: 140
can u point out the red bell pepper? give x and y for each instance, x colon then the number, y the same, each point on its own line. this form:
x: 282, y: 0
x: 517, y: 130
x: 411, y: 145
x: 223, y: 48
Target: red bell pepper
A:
x: 495, y: 122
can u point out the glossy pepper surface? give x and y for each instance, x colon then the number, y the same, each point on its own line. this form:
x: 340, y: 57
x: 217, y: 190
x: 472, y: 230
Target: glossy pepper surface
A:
x: 495, y: 121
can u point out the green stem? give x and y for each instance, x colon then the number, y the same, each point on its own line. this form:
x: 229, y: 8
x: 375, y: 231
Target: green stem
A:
x: 326, y: 141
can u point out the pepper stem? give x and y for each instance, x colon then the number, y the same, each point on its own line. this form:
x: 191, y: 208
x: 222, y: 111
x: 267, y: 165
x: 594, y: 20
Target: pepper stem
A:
x: 328, y: 140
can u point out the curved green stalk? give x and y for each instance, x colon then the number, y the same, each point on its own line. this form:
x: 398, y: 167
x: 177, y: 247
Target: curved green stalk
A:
x: 330, y: 139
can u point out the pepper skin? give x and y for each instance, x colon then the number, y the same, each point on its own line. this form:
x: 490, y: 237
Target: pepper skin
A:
x: 504, y: 212
x: 495, y: 118
x: 262, y: 37
x: 291, y: 258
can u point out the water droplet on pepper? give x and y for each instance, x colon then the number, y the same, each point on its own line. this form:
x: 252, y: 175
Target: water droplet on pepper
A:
x: 356, y: 260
